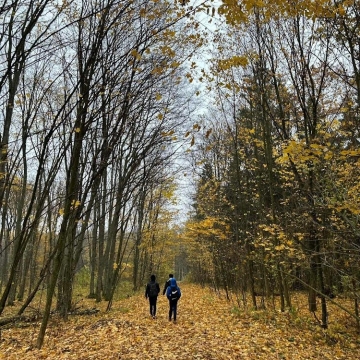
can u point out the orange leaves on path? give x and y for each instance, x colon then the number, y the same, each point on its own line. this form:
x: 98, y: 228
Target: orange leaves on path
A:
x: 208, y: 327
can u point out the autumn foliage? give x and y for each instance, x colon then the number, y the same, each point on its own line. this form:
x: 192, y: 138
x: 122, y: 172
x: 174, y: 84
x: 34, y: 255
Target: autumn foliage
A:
x: 278, y: 174
x: 105, y: 103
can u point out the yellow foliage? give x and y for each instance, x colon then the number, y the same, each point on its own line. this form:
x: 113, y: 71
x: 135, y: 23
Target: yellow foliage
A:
x: 236, y: 11
x: 75, y: 203
x: 169, y: 32
x: 142, y: 12
x: 166, y: 50
x: 169, y: 133
x: 211, y: 227
x: 234, y: 61
x: 351, y: 152
x: 135, y: 54
x: 157, y: 71
x: 175, y: 64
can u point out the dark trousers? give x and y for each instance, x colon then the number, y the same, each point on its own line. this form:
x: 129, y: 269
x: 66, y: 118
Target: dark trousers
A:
x: 172, y: 309
x: 152, y: 301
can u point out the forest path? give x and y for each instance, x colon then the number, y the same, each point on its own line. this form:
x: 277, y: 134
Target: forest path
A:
x: 208, y: 327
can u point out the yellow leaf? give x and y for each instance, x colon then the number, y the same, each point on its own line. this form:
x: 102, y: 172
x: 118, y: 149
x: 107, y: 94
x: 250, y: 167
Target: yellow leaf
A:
x: 75, y: 203
x: 135, y: 54
x: 164, y: 133
x: 157, y: 71
x: 166, y: 50
x: 234, y: 61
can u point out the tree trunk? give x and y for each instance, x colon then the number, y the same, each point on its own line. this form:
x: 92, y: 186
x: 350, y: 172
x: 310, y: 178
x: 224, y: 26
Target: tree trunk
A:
x: 138, y: 240
x: 93, y: 255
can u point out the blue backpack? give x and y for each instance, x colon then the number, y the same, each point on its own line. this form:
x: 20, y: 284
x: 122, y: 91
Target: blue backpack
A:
x: 174, y: 292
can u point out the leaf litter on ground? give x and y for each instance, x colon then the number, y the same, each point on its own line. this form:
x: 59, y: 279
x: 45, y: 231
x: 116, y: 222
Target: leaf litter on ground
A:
x: 208, y: 327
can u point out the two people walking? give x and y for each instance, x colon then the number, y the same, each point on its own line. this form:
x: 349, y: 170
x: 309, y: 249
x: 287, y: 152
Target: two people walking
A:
x: 172, y: 291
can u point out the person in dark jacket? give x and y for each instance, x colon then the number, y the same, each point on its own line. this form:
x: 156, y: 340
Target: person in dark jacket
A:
x: 151, y: 293
x: 167, y: 284
x: 173, y: 294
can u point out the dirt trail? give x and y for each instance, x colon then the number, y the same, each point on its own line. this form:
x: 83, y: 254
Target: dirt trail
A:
x: 206, y: 328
